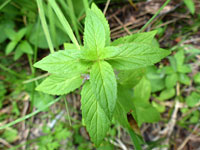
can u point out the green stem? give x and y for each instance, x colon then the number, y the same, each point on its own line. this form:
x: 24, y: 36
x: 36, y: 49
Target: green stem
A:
x: 9, y: 71
x: 30, y: 115
x: 4, y: 4
x: 154, y: 16
x: 44, y: 25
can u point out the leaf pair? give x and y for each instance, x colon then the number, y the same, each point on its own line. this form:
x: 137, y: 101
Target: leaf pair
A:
x: 97, y: 58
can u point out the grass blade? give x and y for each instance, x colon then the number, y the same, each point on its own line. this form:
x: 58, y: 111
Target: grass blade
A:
x: 86, y: 5
x: 64, y: 22
x: 154, y: 16
x: 30, y: 115
x: 73, y: 19
x: 44, y: 25
x: 4, y: 4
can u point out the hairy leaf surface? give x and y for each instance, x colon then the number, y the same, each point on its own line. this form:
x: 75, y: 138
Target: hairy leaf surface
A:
x: 145, y: 37
x: 94, y: 33
x: 104, y: 85
x: 59, y: 84
x: 96, y: 119
x: 63, y: 62
x: 137, y: 55
x: 101, y: 16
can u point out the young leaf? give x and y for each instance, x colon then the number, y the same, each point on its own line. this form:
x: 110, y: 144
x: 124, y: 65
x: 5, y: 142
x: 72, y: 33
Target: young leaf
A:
x: 105, y: 53
x: 96, y: 119
x: 10, y: 47
x: 63, y: 62
x: 167, y: 94
x: 145, y: 37
x: 101, y: 16
x: 170, y: 80
x: 59, y: 84
x: 193, y: 99
x: 184, y: 79
x: 103, y: 82
x: 94, y: 33
x: 137, y: 55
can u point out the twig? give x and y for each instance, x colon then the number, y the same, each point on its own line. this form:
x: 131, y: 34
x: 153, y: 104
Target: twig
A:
x: 127, y: 30
x: 106, y: 7
x: 187, y: 138
x: 4, y: 142
x: 118, y: 144
x: 37, y: 78
x: 191, y: 40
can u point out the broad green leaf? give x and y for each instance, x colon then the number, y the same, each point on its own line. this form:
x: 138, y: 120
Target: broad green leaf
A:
x: 124, y: 105
x: 168, y: 70
x: 120, y: 115
x: 103, y: 82
x: 184, y: 69
x: 171, y: 80
x: 145, y: 112
x: 156, y: 79
x: 94, y: 33
x: 193, y: 99
x: 145, y: 37
x: 60, y: 84
x: 10, y: 47
x: 173, y: 63
x: 20, y: 34
x: 129, y: 78
x: 18, y: 53
x: 197, y: 78
x: 11, y: 34
x: 26, y: 47
x: 167, y: 94
x: 179, y: 56
x: 101, y: 16
x: 137, y: 55
x: 184, y: 79
x: 96, y: 119
x: 144, y: 86
x: 63, y: 62
x: 190, y: 5
x: 23, y: 47
x: 41, y: 99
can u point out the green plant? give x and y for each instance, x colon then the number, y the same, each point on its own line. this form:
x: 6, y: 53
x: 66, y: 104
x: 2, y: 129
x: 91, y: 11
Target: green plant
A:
x: 93, y: 67
x: 190, y: 5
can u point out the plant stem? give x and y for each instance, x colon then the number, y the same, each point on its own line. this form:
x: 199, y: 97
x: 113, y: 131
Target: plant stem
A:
x: 4, y: 4
x: 154, y: 16
x: 9, y: 71
x: 44, y: 25
x: 30, y: 115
